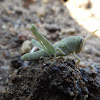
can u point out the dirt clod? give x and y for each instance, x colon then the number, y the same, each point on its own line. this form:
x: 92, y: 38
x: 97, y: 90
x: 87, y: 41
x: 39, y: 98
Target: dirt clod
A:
x: 59, y: 80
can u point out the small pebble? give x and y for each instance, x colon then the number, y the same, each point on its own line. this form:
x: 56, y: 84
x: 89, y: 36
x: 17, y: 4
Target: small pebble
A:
x: 26, y: 47
x: 88, y: 49
x: 19, y: 12
x: 45, y: 1
x: 6, y: 54
x: 26, y: 3
x: 22, y: 37
x: 54, y: 36
x: 69, y: 31
x: 82, y: 64
x: 16, y: 62
x: 52, y: 27
x: 97, y: 53
x: 71, y: 93
x: 41, y: 12
x: 4, y: 27
x: 6, y: 19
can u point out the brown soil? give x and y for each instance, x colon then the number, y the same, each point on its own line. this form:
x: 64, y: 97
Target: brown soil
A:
x: 51, y: 80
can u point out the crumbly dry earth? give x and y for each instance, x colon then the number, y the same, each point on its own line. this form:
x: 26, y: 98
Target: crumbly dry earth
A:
x: 54, y: 21
x: 53, y: 80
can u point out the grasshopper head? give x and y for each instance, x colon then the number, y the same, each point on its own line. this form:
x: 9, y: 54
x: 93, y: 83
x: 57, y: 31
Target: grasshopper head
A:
x: 81, y: 41
x: 80, y: 44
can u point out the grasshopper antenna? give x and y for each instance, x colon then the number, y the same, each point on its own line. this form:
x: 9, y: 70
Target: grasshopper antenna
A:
x: 90, y: 35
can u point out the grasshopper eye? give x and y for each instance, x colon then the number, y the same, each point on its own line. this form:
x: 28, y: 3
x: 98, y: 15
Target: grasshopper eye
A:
x: 81, y: 40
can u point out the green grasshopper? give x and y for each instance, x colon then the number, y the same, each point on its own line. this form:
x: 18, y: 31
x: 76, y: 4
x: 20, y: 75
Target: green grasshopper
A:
x: 68, y: 45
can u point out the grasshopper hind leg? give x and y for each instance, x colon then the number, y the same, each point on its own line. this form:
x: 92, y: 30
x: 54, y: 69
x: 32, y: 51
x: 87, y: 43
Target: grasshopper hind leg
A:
x: 60, y: 51
x: 45, y: 44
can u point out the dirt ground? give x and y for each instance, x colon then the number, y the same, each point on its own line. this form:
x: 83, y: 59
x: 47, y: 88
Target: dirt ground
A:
x: 50, y: 80
x: 54, y: 21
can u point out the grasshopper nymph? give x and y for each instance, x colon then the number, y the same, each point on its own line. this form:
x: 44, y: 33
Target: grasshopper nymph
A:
x: 68, y: 45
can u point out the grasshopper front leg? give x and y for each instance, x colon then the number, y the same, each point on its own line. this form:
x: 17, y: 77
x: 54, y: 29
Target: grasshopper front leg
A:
x: 76, y: 57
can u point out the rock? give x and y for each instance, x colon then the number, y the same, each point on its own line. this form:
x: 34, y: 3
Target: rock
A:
x: 52, y: 27
x: 53, y: 36
x: 97, y: 53
x: 26, y: 3
x: 82, y: 64
x: 26, y: 47
x: 6, y: 19
x: 20, y: 38
x: 45, y: 1
x: 28, y: 20
x: 69, y: 31
x: 6, y: 54
x: 16, y: 62
x: 88, y: 49
x: 4, y: 27
x: 41, y: 11
x: 19, y: 12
